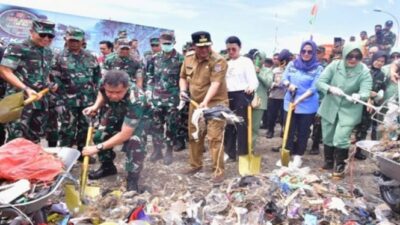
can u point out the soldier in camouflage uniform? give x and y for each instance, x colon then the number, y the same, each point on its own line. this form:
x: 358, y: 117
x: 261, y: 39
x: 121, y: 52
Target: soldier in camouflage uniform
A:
x: 378, y: 60
x: 26, y: 66
x: 121, y: 60
x: 78, y: 73
x: 121, y: 123
x: 389, y: 38
x: 163, y: 87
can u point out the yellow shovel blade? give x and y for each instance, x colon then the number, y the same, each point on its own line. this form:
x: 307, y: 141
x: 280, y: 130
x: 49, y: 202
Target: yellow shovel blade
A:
x: 285, y: 157
x: 11, y: 107
x: 72, y: 196
x: 249, y: 165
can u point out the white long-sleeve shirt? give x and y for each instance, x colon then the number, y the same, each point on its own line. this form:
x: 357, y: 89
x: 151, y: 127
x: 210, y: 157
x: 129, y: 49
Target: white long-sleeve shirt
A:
x: 241, y: 74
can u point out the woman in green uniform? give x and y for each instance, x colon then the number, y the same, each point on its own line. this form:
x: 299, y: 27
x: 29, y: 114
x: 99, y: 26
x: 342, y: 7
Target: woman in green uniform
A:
x: 339, y: 114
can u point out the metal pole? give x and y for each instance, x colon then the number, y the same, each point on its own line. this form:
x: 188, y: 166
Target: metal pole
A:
x: 397, y: 23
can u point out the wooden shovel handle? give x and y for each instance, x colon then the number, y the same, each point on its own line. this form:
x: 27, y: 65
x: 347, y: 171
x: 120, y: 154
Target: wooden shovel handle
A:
x: 34, y: 98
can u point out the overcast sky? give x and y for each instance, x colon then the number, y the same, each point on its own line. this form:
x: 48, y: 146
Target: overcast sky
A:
x: 264, y: 24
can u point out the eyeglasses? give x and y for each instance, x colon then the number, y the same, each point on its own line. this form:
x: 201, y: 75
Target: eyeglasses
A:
x: 353, y: 56
x: 309, y: 52
x: 50, y: 36
x: 154, y: 45
x: 231, y: 49
x: 395, y: 56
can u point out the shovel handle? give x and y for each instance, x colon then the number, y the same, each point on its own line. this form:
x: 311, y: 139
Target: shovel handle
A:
x: 195, y: 104
x: 34, y: 98
x: 361, y: 102
x: 85, y: 164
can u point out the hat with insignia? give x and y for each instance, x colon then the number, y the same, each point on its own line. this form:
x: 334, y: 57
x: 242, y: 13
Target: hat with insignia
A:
x: 154, y: 41
x: 42, y: 26
x: 123, y: 43
x: 167, y: 36
x: 74, y: 33
x: 201, y: 38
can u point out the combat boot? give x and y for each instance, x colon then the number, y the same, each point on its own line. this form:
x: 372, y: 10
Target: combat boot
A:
x: 341, y: 154
x: 359, y: 155
x: 168, y: 159
x: 106, y: 169
x: 156, y: 154
x: 132, y: 182
x: 329, y: 157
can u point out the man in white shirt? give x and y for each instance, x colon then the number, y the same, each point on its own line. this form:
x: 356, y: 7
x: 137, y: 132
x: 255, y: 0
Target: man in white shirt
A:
x: 241, y: 81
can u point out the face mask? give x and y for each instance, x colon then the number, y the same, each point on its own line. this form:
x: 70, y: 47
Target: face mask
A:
x: 167, y: 48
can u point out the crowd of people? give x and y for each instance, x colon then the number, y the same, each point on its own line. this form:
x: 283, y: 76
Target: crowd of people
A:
x: 134, y: 97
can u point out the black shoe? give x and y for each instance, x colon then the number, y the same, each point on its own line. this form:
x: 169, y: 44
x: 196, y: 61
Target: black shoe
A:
x: 91, y: 160
x: 359, y: 155
x: 270, y: 134
x: 276, y: 149
x: 104, y: 171
x: 314, y: 150
x: 168, y: 159
x: 230, y: 160
x: 156, y: 155
x: 180, y: 146
x: 132, y: 182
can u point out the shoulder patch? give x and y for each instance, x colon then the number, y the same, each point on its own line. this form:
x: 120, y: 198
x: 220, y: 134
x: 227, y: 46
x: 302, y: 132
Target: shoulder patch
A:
x: 217, y: 67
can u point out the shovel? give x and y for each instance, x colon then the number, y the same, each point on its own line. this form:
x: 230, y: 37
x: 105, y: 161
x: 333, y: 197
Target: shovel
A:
x: 12, y: 105
x: 249, y: 164
x: 285, y: 153
x: 76, y: 200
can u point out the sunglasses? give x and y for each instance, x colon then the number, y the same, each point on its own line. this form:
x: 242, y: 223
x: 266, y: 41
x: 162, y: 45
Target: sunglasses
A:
x: 354, y: 56
x: 154, y: 45
x: 50, y: 36
x: 395, y: 56
x: 309, y: 52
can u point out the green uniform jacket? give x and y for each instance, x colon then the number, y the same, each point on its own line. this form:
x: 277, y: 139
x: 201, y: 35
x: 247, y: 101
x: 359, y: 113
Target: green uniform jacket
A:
x: 335, y: 74
x: 265, y: 80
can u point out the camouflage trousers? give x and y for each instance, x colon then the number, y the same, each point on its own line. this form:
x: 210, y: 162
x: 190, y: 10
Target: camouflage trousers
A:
x: 134, y: 148
x: 182, y: 132
x: 164, y: 116
x: 73, y: 128
x: 31, y: 125
x: 52, y: 127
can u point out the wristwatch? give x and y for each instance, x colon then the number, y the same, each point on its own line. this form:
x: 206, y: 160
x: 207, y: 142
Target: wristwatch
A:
x: 100, y: 147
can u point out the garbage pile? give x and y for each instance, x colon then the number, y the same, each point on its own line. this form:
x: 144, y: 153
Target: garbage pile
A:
x: 284, y: 196
x: 387, y: 149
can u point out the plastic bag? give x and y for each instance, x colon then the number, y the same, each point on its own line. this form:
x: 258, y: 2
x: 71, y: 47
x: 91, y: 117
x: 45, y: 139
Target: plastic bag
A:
x: 23, y: 159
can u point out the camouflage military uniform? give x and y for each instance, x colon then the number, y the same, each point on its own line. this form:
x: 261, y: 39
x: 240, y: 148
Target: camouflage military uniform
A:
x: 389, y: 39
x: 378, y: 83
x: 129, y: 65
x: 128, y: 111
x: 32, y: 65
x: 163, y: 83
x: 78, y: 75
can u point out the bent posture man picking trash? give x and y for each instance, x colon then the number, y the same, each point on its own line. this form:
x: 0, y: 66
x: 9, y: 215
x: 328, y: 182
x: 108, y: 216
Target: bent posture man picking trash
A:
x: 121, y: 123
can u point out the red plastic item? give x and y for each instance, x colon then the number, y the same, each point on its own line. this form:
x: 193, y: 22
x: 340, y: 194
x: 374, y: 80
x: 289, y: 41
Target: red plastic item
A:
x: 23, y: 159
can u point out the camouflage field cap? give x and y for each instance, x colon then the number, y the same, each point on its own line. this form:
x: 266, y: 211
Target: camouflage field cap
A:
x: 123, y: 43
x: 201, y: 38
x: 74, y: 33
x: 154, y: 41
x: 167, y: 36
x: 42, y: 26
